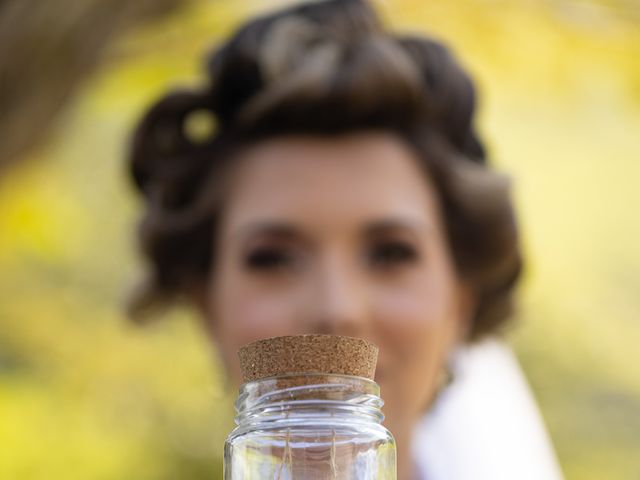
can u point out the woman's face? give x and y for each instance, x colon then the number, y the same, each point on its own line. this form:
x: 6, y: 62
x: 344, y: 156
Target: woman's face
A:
x: 344, y: 236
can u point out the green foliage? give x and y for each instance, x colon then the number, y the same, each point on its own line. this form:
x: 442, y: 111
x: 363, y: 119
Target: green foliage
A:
x: 85, y: 394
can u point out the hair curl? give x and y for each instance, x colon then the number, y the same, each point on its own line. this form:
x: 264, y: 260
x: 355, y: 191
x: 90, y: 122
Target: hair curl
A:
x: 323, y: 68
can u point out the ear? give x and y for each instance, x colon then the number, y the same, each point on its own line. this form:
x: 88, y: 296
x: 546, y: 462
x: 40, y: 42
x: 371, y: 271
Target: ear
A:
x: 467, y: 301
x: 205, y: 307
x: 200, y: 299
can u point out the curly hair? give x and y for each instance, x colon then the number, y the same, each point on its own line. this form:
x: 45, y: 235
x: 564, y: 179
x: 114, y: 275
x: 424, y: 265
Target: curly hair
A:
x: 323, y: 68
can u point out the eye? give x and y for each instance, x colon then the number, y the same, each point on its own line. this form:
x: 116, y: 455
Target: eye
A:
x: 389, y: 254
x: 269, y: 259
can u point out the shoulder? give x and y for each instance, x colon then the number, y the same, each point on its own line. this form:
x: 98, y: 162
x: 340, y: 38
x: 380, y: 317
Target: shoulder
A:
x: 486, y: 425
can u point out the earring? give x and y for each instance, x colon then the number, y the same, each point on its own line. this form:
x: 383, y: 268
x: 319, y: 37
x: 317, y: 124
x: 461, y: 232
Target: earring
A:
x: 445, y: 379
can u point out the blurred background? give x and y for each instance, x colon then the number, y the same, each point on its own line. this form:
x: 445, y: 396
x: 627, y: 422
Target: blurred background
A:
x: 84, y: 394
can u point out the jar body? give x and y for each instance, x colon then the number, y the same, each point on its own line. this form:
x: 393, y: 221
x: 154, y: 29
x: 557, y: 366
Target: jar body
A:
x: 327, y: 428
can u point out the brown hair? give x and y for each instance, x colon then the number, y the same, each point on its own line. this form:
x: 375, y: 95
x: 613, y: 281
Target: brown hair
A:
x: 323, y: 68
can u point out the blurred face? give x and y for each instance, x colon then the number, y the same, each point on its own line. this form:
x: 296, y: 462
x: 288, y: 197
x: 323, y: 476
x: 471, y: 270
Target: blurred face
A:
x: 339, y: 236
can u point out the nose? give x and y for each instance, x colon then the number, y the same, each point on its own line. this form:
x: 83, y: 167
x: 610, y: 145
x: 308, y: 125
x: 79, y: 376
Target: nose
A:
x: 338, y: 299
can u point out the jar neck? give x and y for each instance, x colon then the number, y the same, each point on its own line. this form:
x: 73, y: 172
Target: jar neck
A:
x: 309, y: 396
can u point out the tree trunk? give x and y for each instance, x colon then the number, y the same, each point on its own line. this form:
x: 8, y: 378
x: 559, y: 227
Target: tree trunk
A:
x: 47, y: 48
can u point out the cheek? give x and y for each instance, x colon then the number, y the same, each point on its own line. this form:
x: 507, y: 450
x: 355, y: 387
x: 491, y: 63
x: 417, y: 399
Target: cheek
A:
x: 416, y: 325
x: 246, y: 312
x: 409, y: 309
x: 411, y: 324
x: 420, y: 302
x: 240, y: 314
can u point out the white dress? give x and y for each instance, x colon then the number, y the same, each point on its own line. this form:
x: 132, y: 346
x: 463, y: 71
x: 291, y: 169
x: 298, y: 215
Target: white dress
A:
x: 485, y: 425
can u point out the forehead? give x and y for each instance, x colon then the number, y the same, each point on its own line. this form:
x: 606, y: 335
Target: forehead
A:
x: 354, y: 178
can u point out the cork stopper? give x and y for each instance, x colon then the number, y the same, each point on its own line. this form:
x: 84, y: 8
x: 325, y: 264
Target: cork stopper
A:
x: 328, y: 354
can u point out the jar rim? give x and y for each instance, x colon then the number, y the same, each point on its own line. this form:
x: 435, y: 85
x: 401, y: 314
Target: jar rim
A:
x: 292, y: 375
x: 298, y: 391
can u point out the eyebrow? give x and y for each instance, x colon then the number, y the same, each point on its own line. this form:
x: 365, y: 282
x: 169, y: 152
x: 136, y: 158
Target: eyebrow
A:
x: 383, y: 226
x: 271, y: 228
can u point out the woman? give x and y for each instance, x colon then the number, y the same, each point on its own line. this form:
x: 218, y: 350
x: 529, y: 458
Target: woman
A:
x: 344, y: 190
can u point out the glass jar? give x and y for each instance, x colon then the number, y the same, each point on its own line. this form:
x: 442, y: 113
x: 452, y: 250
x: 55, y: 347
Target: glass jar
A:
x: 310, y: 426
